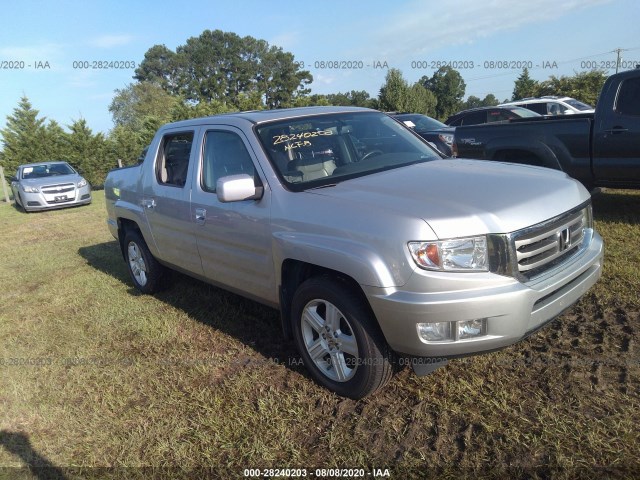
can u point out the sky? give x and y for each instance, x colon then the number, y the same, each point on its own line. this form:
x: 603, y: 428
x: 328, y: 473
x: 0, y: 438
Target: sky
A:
x: 46, y: 47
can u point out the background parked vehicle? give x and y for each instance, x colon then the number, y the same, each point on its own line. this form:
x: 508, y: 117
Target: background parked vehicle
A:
x: 49, y: 185
x: 551, y: 105
x: 480, y: 115
x: 600, y: 149
x: 436, y: 133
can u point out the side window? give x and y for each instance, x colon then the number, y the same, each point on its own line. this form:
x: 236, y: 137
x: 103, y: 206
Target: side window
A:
x: 172, y: 164
x: 224, y: 154
x: 540, y: 108
x: 475, y: 118
x: 628, y: 101
x: 500, y: 115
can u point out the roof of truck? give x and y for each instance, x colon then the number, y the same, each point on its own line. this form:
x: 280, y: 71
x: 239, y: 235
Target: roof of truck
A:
x: 263, y: 116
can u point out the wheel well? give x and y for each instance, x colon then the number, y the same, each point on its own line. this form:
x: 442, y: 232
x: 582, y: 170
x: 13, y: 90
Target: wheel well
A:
x: 125, y: 225
x: 294, y: 273
x: 518, y: 156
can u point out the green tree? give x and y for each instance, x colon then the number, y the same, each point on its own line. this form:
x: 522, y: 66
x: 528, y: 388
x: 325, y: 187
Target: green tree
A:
x: 124, y: 144
x: 397, y: 95
x: 420, y: 100
x: 354, y: 98
x: 132, y: 104
x: 159, y: 67
x: 490, y: 100
x: 54, y: 141
x: 584, y: 86
x: 88, y: 152
x: 315, y: 99
x: 524, y: 86
x: 24, y: 137
x: 448, y: 87
x: 185, y: 110
x: 222, y: 66
x: 472, y: 102
x: 279, y: 78
x: 393, y: 92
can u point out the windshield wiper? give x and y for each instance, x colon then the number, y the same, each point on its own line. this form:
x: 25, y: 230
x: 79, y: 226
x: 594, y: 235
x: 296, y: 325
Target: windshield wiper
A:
x: 323, y: 186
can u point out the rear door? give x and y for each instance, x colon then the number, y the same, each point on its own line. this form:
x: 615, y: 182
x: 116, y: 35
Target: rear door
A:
x: 616, y: 142
x: 234, y: 239
x: 166, y: 200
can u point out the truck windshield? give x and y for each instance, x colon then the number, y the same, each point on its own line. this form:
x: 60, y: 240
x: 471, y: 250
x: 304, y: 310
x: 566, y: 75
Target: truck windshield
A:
x: 325, y: 149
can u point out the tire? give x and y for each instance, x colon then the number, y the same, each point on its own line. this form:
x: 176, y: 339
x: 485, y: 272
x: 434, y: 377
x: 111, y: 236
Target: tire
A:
x: 334, y: 326
x: 19, y: 204
x: 145, y: 271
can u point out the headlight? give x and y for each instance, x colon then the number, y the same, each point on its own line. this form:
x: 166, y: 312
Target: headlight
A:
x: 82, y: 183
x: 446, y: 138
x: 455, y: 255
x: 28, y: 189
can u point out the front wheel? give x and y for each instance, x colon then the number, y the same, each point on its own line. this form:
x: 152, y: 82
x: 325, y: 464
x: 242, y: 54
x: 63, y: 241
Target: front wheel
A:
x: 20, y: 203
x: 145, y: 271
x: 338, y: 339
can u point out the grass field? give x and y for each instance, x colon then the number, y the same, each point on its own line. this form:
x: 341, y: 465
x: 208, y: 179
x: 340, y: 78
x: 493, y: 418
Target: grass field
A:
x: 99, y: 381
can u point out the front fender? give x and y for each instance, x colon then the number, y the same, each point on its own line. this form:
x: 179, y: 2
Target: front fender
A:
x: 355, y: 259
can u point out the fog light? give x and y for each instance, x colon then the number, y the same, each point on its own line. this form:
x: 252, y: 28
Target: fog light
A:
x: 435, y: 332
x: 471, y: 328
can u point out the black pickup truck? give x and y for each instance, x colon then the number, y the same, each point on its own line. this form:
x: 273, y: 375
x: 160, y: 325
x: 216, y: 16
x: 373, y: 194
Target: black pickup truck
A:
x: 600, y: 149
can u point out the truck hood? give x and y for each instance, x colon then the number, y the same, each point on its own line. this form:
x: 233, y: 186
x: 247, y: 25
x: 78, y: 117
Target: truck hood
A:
x: 459, y: 198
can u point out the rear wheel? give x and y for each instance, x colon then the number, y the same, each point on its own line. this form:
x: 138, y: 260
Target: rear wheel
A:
x: 145, y: 271
x: 338, y: 339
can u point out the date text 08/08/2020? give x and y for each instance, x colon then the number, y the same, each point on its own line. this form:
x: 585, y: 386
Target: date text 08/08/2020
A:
x: 500, y: 64
x: 317, y: 472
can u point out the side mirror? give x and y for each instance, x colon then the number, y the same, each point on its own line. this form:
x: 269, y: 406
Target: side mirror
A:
x: 12, y: 179
x: 235, y: 188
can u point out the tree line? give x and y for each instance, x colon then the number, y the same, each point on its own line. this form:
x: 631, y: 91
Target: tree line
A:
x: 220, y: 72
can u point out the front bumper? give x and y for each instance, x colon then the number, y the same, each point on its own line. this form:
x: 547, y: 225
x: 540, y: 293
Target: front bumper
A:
x: 32, y: 202
x: 512, y: 309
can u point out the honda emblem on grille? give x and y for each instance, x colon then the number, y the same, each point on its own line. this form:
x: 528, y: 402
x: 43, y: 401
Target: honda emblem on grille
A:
x: 564, y: 240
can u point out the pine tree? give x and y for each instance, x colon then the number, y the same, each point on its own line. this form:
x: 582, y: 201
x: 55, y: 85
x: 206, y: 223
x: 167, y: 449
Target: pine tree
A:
x: 124, y: 144
x: 55, y: 141
x: 394, y: 91
x: 525, y: 86
x: 87, y: 152
x: 23, y: 138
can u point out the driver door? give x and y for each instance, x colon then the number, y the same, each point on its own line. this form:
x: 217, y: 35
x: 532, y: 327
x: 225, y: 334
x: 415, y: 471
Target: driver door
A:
x: 233, y: 238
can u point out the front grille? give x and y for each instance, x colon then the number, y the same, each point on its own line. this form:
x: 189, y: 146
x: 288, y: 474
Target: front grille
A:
x: 56, y: 189
x: 544, y: 246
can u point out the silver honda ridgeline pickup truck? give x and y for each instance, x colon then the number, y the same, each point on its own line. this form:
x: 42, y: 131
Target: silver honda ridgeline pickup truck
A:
x: 375, y: 249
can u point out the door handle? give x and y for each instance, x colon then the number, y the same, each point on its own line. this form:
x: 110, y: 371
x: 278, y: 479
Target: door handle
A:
x: 149, y: 203
x: 614, y: 130
x: 201, y: 216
